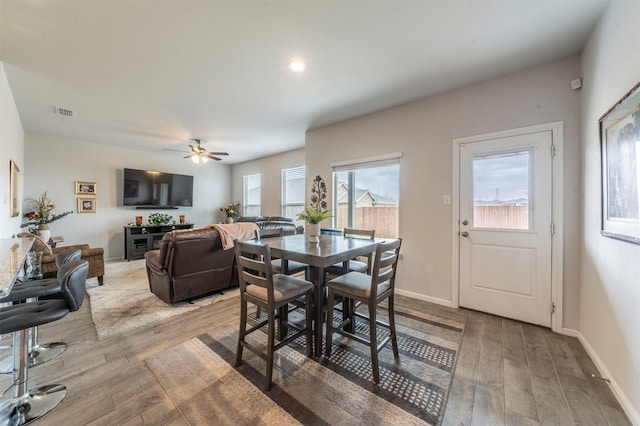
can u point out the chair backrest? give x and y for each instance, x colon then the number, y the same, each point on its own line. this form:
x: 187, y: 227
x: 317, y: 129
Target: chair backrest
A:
x: 254, y: 267
x: 359, y: 233
x: 269, y: 233
x: 67, y: 256
x: 73, y: 282
x: 385, y: 263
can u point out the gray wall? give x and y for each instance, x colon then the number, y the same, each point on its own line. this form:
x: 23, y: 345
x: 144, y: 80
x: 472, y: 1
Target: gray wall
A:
x: 270, y: 169
x: 53, y: 164
x: 424, y: 131
x: 610, y: 269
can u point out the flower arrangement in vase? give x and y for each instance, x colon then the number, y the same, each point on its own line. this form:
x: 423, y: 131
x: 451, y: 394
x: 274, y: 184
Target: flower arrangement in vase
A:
x: 40, y: 215
x: 317, y: 210
x: 231, y: 211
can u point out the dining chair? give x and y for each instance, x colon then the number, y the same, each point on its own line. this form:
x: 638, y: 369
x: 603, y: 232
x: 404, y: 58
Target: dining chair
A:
x: 369, y: 290
x: 271, y: 293
x: 280, y: 266
x: 354, y: 264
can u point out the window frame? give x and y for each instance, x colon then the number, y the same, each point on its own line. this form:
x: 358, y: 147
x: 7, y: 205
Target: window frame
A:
x: 283, y: 198
x: 245, y: 194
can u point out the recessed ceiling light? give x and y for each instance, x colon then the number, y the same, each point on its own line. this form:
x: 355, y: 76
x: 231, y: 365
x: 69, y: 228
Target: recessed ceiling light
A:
x: 297, y: 66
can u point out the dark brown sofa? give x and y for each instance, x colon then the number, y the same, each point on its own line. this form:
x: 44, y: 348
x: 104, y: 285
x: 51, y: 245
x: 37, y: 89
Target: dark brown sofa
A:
x: 189, y: 264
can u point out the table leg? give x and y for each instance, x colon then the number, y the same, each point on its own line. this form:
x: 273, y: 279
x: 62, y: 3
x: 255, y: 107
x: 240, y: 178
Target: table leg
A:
x: 318, y: 281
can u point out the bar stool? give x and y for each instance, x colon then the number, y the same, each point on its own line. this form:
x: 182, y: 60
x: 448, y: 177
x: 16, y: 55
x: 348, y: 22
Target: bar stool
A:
x: 29, y: 405
x: 30, y: 291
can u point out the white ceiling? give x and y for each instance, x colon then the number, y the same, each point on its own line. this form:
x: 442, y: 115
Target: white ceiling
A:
x: 152, y: 74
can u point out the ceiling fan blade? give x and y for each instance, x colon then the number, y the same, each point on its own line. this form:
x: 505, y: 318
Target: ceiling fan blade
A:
x: 176, y: 150
x: 190, y: 155
x: 213, y: 157
x: 218, y: 153
x: 194, y: 148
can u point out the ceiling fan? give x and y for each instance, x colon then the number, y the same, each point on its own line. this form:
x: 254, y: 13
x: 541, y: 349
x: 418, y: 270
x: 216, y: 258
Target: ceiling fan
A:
x: 200, y: 154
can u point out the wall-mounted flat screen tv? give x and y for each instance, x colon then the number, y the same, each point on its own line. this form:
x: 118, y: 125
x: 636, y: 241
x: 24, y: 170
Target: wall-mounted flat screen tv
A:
x: 150, y: 189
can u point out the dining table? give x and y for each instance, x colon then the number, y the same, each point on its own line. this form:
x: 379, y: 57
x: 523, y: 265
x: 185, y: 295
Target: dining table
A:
x: 328, y: 251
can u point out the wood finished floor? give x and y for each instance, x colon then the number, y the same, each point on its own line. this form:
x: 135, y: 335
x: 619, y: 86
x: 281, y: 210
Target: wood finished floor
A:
x: 508, y: 373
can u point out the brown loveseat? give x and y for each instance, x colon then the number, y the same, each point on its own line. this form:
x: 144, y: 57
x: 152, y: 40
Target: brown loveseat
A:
x: 189, y: 264
x: 95, y: 257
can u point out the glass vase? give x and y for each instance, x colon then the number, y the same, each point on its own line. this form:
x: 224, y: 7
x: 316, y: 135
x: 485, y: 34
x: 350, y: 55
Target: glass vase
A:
x: 33, y: 265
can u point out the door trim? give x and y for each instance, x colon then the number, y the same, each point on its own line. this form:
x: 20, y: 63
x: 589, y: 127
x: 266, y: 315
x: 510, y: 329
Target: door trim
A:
x: 557, y: 172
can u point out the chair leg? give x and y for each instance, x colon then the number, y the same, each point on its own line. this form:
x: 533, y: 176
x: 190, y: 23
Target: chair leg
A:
x: 392, y: 327
x: 309, y: 323
x: 270, y: 349
x: 329, y: 333
x: 374, y: 342
x: 243, y: 330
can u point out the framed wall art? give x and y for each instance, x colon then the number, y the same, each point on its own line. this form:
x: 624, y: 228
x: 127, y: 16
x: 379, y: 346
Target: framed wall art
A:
x: 86, y: 188
x: 620, y: 150
x: 86, y: 205
x: 14, y: 189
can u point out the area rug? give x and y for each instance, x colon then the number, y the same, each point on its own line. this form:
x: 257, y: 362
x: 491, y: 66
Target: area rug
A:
x: 335, y: 390
x: 124, y: 303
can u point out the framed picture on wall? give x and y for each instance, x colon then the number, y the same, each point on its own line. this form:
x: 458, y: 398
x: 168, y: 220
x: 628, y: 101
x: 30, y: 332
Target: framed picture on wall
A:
x: 620, y: 150
x: 86, y: 205
x: 88, y: 188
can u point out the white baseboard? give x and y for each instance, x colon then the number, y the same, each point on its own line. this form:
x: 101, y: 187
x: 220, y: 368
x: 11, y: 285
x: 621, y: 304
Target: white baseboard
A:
x: 419, y: 296
x: 570, y: 332
x: 633, y: 415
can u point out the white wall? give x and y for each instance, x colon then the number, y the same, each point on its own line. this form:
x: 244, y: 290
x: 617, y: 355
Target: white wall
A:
x: 270, y: 169
x: 610, y: 269
x: 424, y: 131
x: 53, y: 164
x: 12, y: 142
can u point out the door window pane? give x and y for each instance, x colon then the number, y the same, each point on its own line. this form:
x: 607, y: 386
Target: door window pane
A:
x: 501, y: 190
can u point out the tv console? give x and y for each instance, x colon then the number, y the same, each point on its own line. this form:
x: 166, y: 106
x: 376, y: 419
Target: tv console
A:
x: 140, y: 239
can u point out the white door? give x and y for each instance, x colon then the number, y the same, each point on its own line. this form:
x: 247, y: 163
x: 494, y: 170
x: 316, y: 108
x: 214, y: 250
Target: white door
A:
x: 506, y: 226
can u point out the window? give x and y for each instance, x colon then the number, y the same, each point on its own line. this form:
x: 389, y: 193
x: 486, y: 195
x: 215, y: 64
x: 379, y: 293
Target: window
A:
x: 293, y: 194
x: 251, y: 195
x: 366, y: 195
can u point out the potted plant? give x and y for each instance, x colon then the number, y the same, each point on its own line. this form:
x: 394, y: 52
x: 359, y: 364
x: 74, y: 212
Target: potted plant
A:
x: 40, y: 215
x: 317, y: 211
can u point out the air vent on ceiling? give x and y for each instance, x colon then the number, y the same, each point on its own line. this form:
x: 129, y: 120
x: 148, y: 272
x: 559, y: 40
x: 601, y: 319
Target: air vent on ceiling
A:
x: 63, y: 112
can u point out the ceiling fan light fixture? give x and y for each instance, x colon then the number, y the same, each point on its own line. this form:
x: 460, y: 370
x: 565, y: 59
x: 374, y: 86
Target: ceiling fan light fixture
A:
x: 204, y: 159
x: 195, y: 159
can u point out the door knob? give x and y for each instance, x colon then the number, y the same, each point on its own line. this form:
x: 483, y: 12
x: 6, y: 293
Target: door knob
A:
x: 464, y: 233
x: 465, y: 222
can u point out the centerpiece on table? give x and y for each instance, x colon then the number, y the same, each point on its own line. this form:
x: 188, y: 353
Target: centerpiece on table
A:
x: 40, y: 215
x: 231, y: 211
x: 317, y: 210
